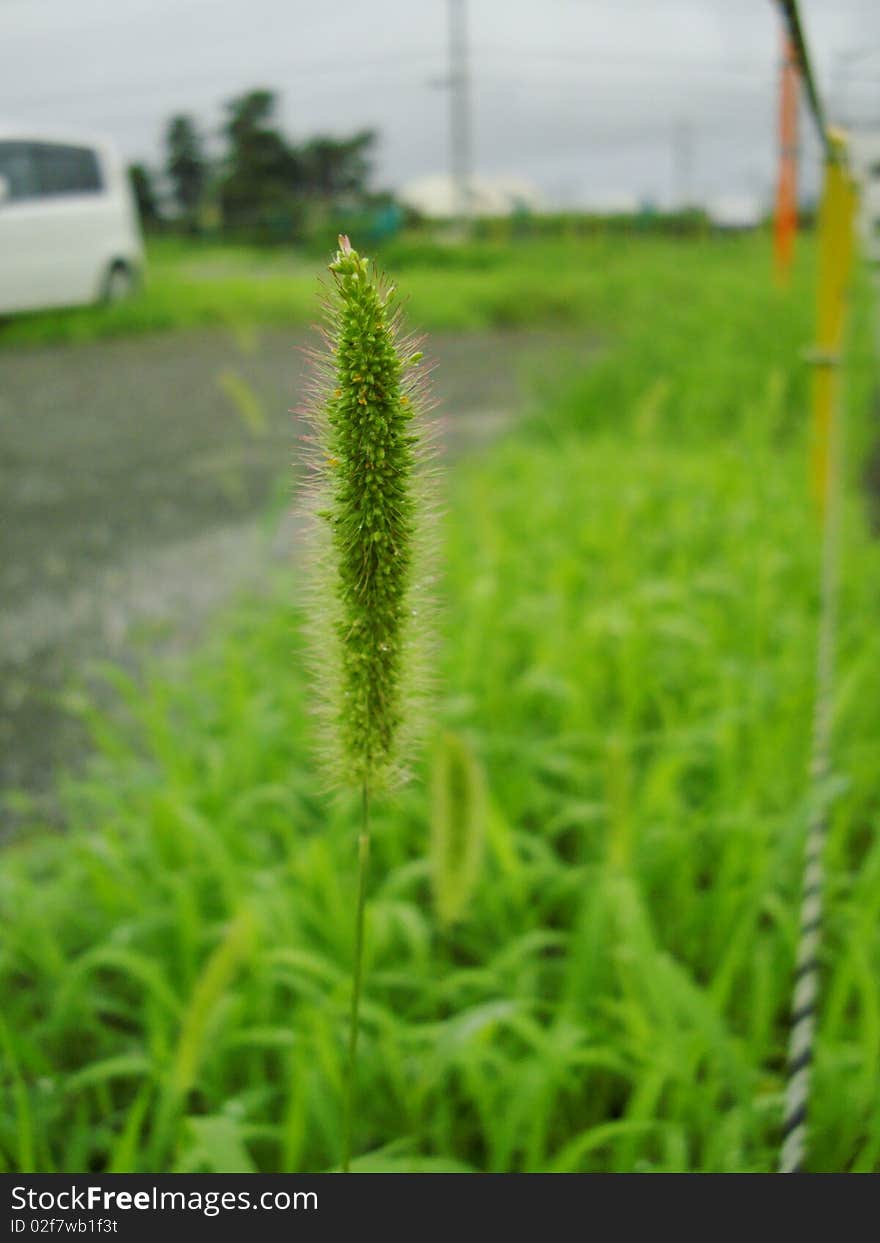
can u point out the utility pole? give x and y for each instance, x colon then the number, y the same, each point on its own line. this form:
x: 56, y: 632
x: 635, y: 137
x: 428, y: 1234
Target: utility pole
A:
x: 683, y: 164
x: 460, y: 112
x: 785, y: 223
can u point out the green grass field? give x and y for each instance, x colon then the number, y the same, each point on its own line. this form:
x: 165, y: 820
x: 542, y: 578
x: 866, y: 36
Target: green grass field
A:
x: 629, y: 612
x: 488, y: 285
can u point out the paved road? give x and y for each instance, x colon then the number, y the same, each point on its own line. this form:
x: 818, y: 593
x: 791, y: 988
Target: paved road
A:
x: 135, y: 480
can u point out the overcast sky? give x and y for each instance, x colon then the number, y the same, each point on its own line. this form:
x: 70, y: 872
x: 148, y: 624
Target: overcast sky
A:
x: 586, y: 98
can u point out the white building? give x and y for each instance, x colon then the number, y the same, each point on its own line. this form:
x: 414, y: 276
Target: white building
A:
x: 735, y: 212
x: 435, y: 196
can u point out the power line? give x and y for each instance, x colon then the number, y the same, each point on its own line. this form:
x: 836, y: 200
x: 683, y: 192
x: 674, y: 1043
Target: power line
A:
x: 598, y: 58
x: 380, y: 66
x: 514, y: 57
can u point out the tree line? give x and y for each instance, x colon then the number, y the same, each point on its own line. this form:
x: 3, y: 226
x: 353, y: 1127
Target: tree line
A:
x: 263, y: 186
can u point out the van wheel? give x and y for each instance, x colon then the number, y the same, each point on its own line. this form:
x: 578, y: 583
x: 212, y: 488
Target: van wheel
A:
x: 119, y: 284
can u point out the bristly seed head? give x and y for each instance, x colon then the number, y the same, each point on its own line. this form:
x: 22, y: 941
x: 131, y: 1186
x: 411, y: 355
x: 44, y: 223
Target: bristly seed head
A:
x: 366, y: 475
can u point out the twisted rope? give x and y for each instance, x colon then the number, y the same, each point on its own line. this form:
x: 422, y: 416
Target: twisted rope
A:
x: 802, y: 1022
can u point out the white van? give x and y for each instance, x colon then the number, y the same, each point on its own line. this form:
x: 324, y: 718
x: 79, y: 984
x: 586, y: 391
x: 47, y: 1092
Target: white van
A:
x: 69, y: 231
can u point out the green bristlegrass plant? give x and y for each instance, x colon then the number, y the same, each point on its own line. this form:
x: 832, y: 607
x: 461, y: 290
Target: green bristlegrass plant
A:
x: 367, y: 620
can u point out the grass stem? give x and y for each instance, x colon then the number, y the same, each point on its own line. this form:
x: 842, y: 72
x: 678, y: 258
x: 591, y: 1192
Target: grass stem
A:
x: 351, y: 1078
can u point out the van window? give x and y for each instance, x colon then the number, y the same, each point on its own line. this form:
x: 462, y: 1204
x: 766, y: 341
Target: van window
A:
x: 66, y: 170
x: 47, y: 170
x: 18, y: 167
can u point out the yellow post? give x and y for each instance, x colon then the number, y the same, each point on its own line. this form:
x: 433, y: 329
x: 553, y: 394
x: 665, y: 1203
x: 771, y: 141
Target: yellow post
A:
x: 836, y: 224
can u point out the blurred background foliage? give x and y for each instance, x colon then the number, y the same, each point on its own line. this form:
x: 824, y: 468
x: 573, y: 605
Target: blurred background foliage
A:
x: 260, y: 186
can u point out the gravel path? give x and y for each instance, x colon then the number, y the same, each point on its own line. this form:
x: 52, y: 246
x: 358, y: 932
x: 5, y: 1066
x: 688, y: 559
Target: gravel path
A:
x: 144, y: 482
